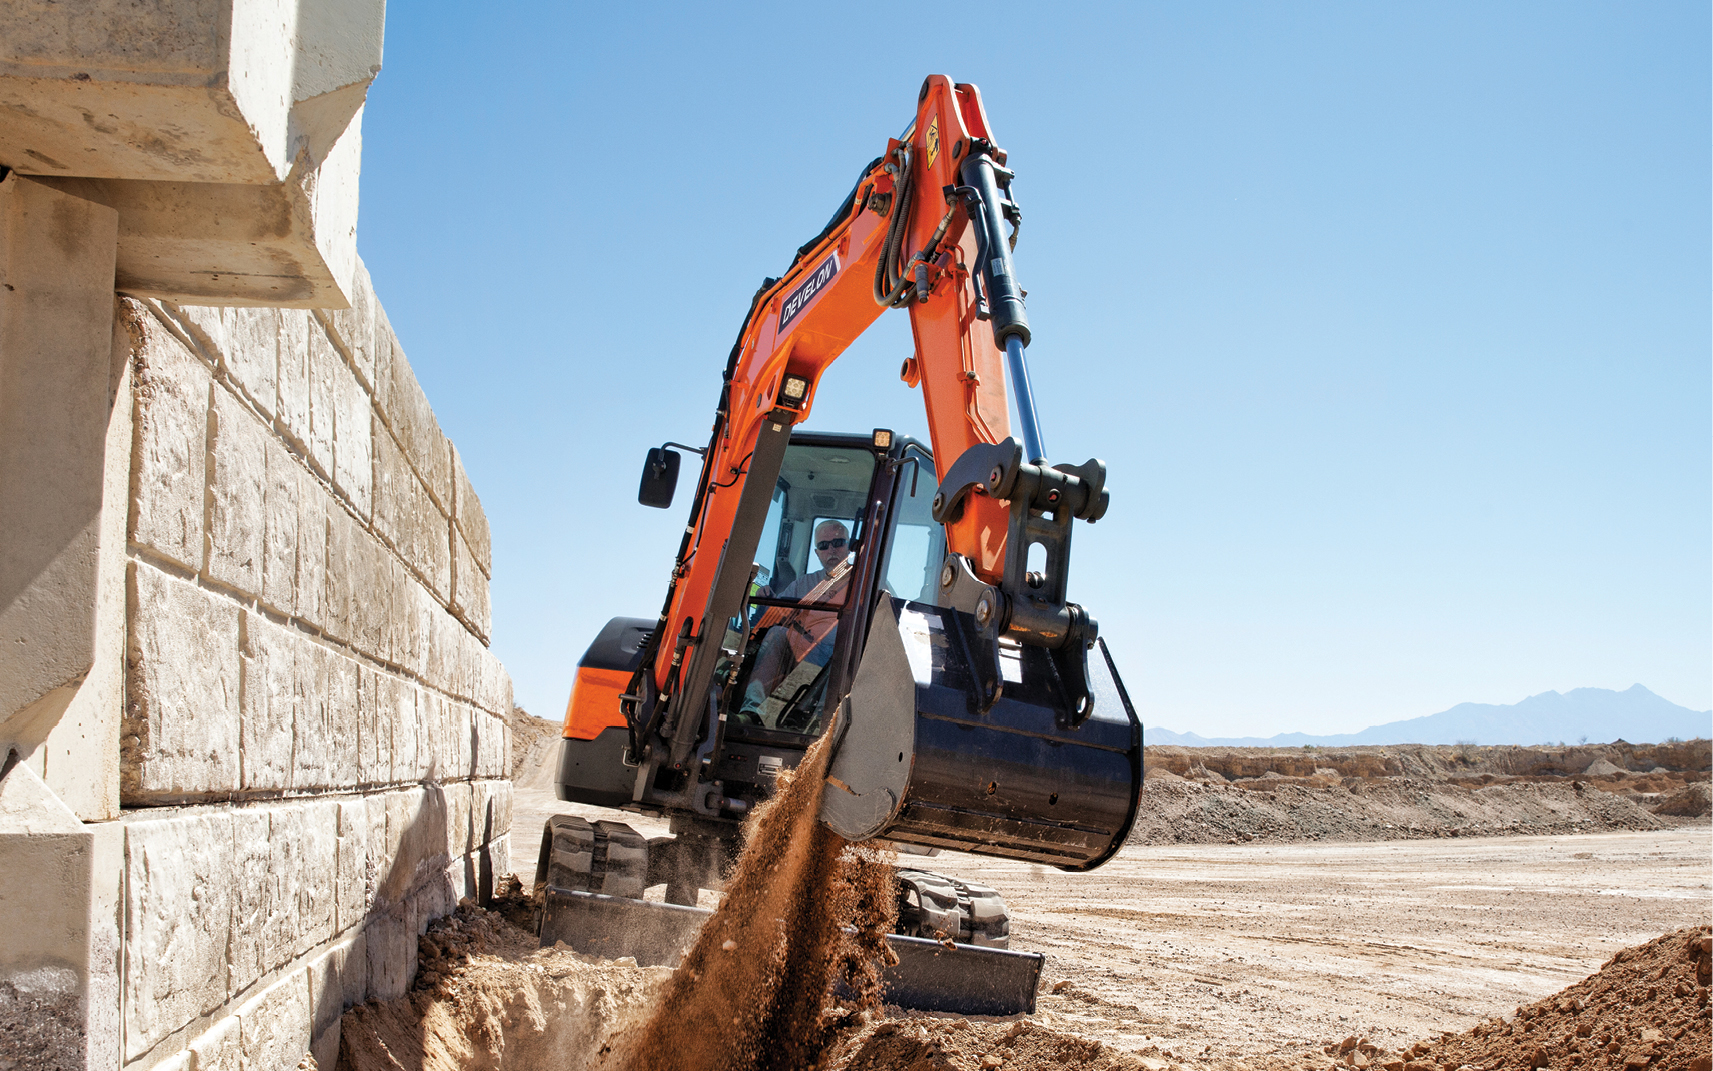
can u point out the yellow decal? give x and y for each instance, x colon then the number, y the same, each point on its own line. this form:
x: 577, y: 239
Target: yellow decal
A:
x: 933, y: 139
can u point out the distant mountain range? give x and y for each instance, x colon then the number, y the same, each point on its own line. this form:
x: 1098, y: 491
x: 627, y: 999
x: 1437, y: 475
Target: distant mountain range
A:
x: 1597, y: 715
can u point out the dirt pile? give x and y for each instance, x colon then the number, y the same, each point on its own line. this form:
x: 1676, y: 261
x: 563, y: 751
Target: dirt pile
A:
x: 1690, y: 801
x: 486, y: 997
x: 1178, y: 811
x: 755, y: 991
x: 1647, y: 1007
x: 961, y: 1045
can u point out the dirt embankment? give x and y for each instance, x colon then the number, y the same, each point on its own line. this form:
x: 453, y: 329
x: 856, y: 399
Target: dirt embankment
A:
x: 1211, y: 795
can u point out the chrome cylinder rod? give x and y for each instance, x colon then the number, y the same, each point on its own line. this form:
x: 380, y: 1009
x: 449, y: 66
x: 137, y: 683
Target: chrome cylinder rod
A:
x: 1024, y: 396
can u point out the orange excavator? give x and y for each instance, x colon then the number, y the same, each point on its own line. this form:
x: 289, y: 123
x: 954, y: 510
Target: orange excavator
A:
x: 910, y: 595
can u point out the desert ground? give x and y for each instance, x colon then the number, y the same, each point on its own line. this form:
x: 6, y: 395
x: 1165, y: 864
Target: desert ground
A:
x: 1255, y: 918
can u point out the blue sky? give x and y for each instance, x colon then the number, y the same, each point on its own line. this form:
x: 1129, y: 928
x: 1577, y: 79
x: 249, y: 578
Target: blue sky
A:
x: 1390, y: 321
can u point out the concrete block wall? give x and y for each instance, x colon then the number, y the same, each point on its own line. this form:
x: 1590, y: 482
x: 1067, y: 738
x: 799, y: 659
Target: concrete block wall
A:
x: 313, y: 761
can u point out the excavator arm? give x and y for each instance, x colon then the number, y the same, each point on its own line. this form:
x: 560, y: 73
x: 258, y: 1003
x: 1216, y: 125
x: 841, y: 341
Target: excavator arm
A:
x: 924, y: 229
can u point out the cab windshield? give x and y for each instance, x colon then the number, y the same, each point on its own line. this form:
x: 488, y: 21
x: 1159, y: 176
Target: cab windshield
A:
x: 804, y: 568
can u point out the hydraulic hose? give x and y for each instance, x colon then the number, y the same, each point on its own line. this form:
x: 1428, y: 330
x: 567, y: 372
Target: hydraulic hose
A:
x: 892, y: 279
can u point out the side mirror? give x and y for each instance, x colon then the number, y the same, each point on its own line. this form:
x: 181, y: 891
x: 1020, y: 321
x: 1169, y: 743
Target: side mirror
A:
x: 659, y: 478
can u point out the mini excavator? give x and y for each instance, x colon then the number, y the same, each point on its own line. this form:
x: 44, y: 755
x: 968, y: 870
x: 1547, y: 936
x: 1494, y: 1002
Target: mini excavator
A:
x: 974, y: 708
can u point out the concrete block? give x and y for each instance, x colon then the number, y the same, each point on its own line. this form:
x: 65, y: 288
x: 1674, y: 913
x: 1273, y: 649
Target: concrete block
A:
x: 398, y: 705
x: 416, y: 829
x: 170, y: 449
x: 406, y: 410
x: 290, y: 243
x: 469, y: 589
x: 181, y: 727
x: 243, y: 343
x: 323, y: 365
x: 178, y: 912
x: 263, y: 898
x: 274, y: 1026
x: 344, y: 577
x: 280, y: 510
x: 267, y: 706
x: 317, y: 907
x: 326, y: 745
x: 222, y: 92
x: 374, y: 726
x: 237, y: 481
x: 389, y: 946
x: 353, y: 458
x: 468, y: 515
x: 353, y: 329
x: 252, y: 356
x: 206, y: 327
x: 407, y: 518
x: 353, y: 887
x: 311, y: 589
x: 292, y: 409
x: 218, y: 1048
x: 395, y: 622
x: 338, y: 979
x: 372, y: 607
x: 460, y: 834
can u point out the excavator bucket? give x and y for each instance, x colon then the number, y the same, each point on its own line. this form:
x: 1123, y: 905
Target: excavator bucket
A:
x: 929, y: 756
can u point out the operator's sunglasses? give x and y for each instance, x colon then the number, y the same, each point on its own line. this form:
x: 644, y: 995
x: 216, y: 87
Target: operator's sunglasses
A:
x: 830, y: 544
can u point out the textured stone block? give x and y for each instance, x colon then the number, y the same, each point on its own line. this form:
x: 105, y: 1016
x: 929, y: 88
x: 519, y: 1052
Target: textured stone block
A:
x: 398, y: 703
x: 326, y: 727
x: 353, y: 421
x: 406, y: 410
x: 490, y: 735
x: 263, y: 899
x: 460, y: 834
x: 252, y: 353
x: 267, y: 707
x: 217, y: 1049
x: 372, y: 605
x: 244, y: 343
x: 274, y: 1026
x: 407, y: 518
x: 468, y: 515
x: 178, y: 913
x: 292, y: 409
x: 338, y: 979
x: 180, y: 733
x: 389, y: 945
x: 170, y: 448
x: 374, y: 727
x: 343, y: 578
x: 317, y: 900
x: 354, y: 886
x: 280, y: 512
x: 312, y: 503
x: 469, y: 589
x: 323, y: 365
x: 418, y: 611
x: 237, y: 483
x: 353, y: 329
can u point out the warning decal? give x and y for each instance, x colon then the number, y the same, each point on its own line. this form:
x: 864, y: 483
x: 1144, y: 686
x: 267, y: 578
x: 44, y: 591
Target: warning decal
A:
x: 933, y: 139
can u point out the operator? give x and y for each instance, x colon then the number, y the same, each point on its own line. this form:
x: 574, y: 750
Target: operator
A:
x: 803, y: 635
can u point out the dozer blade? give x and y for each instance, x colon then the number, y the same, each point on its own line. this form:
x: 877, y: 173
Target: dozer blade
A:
x: 929, y: 975
x: 927, y: 757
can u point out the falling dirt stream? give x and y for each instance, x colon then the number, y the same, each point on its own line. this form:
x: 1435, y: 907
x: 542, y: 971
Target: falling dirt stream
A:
x: 803, y: 911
